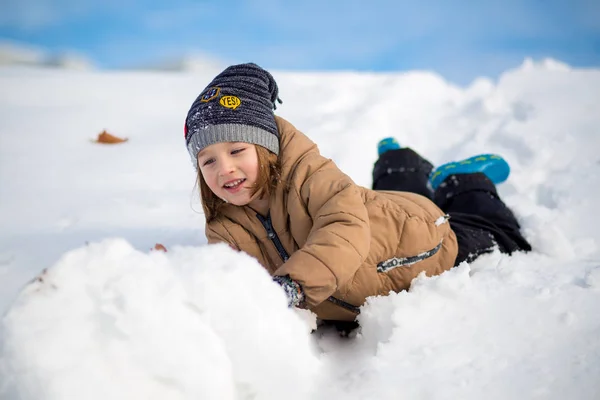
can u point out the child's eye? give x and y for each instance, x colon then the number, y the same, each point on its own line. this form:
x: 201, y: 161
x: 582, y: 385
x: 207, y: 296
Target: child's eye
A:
x: 207, y: 162
x: 236, y: 151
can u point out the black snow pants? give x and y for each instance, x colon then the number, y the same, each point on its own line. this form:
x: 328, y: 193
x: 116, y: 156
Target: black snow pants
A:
x: 478, y: 217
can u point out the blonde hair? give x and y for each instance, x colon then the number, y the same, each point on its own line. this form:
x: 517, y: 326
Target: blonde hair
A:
x: 269, y: 175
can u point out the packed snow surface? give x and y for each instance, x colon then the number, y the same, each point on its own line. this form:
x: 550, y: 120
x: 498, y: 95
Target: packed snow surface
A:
x: 91, y: 312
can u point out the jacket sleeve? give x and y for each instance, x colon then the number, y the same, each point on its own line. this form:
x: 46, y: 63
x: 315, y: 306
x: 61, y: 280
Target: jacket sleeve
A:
x: 340, y: 237
x: 217, y: 233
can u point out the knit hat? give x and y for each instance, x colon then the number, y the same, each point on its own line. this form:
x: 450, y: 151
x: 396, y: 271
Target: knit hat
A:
x: 237, y: 106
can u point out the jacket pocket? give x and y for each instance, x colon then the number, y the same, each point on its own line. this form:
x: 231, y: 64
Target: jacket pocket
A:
x: 396, y: 262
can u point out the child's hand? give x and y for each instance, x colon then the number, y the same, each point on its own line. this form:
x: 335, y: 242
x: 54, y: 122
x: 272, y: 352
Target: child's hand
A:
x: 292, y: 289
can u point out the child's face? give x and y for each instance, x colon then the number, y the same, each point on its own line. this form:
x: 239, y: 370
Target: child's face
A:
x: 230, y: 170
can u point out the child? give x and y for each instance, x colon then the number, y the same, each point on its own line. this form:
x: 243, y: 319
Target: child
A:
x: 328, y: 242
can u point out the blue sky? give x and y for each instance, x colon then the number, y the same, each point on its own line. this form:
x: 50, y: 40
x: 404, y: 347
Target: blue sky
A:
x: 460, y: 39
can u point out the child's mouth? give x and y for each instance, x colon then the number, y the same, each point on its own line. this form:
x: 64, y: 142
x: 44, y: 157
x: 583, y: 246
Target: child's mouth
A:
x: 234, y: 186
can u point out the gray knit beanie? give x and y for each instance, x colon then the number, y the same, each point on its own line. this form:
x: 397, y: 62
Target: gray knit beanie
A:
x: 237, y: 106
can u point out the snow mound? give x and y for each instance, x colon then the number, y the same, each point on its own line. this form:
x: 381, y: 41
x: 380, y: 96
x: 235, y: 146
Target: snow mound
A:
x: 511, y: 327
x: 69, y: 60
x: 189, y: 63
x: 548, y: 64
x: 11, y: 53
x: 110, y: 322
x: 17, y: 54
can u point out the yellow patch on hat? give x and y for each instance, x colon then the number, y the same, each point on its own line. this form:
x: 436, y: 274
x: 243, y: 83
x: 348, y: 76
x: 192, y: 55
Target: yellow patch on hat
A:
x: 232, y: 102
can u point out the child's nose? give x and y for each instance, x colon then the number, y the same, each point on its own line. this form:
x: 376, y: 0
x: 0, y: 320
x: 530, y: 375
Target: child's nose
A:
x: 227, y: 167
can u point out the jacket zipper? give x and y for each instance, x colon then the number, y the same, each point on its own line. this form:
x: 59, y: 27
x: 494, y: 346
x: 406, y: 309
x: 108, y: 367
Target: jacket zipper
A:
x: 268, y: 225
x: 396, y: 262
x: 266, y: 222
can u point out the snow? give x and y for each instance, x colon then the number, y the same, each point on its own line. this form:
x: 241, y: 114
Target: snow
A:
x: 91, y: 312
x: 13, y: 53
x: 172, y: 324
x: 203, y: 63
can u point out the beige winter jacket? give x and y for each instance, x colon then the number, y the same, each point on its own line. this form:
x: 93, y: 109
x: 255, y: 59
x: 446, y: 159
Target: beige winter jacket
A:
x: 344, y: 242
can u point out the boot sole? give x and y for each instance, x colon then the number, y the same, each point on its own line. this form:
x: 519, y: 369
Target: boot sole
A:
x: 493, y: 166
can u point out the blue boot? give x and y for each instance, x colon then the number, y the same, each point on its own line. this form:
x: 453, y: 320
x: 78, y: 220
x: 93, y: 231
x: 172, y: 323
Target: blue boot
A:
x: 493, y: 166
x: 386, y: 144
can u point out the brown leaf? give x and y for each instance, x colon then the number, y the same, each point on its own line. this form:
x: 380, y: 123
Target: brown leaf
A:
x: 160, y: 247
x: 107, y: 138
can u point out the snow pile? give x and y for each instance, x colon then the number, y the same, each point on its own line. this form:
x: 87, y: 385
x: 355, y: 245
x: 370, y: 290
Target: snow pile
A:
x: 196, y: 63
x: 24, y: 55
x: 201, y: 319
x: 109, y: 322
x: 512, y: 328
x: 69, y: 60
